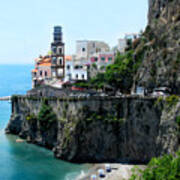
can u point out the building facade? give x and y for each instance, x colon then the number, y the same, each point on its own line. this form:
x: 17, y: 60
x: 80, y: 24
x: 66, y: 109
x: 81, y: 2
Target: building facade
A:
x: 103, y: 59
x: 85, y: 49
x: 42, y: 71
x: 75, y: 70
x: 122, y: 44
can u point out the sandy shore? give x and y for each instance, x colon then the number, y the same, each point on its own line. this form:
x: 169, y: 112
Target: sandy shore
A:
x: 119, y: 172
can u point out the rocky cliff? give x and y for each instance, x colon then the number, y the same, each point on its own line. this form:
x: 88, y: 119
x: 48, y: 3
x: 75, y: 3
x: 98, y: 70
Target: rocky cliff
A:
x: 129, y: 129
x: 161, y: 47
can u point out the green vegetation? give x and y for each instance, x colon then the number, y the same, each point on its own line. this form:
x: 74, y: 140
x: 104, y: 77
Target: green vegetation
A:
x: 178, y: 120
x: 171, y: 101
x: 46, y: 116
x: 162, y: 168
x: 31, y: 118
x: 159, y: 101
x: 94, y: 65
x: 102, y: 115
x: 118, y: 75
x: 14, y: 98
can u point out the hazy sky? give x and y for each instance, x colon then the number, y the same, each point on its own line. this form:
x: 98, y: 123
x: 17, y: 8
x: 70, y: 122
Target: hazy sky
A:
x: 26, y: 25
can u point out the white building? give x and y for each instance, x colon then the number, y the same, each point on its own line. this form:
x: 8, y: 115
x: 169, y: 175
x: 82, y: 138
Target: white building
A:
x: 75, y: 70
x: 85, y: 48
x: 122, y: 42
x: 131, y: 36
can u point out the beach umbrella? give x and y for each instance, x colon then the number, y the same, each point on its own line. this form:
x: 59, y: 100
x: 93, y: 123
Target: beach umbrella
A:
x: 101, y: 173
x: 108, y: 167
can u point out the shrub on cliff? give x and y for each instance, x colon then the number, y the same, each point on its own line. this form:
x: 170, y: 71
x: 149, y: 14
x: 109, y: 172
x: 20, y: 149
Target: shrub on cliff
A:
x: 172, y: 101
x: 178, y: 121
x: 162, y: 168
x: 46, y: 115
x: 31, y: 118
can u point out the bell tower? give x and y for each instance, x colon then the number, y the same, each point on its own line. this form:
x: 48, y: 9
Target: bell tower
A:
x: 57, y: 48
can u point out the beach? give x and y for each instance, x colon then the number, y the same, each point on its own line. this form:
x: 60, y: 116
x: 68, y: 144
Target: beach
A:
x: 119, y: 171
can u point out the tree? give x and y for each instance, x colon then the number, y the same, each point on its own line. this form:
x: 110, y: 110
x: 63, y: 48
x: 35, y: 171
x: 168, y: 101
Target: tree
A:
x: 120, y: 74
x: 46, y: 115
x: 162, y: 168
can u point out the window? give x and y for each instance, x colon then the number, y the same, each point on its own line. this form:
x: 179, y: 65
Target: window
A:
x: 60, y: 50
x: 83, y: 49
x: 68, y: 67
x: 82, y: 76
x: 102, y: 58
x: 54, y: 61
x: 60, y: 61
x: 45, y: 73
x: 76, y: 67
x: 54, y: 50
x: 60, y: 72
x: 40, y: 73
x: 54, y: 74
x: 76, y: 76
x: 69, y: 76
x: 109, y: 58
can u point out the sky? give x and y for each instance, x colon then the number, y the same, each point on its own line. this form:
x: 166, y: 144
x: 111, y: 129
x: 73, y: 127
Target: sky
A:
x: 26, y: 26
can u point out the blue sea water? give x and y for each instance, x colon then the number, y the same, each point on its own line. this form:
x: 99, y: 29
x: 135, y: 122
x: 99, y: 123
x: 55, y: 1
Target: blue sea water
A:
x: 22, y: 161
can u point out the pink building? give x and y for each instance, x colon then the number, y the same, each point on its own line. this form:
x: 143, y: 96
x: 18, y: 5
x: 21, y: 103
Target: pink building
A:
x: 105, y: 58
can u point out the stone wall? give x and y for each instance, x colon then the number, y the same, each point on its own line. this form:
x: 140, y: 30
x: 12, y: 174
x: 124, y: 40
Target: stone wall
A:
x: 126, y: 129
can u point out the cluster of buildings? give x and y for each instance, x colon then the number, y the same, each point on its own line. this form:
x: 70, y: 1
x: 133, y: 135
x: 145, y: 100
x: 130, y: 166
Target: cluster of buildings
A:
x: 56, y: 69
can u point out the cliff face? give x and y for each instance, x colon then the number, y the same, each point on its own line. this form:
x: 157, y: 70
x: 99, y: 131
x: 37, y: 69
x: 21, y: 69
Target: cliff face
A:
x: 161, y: 60
x: 95, y: 130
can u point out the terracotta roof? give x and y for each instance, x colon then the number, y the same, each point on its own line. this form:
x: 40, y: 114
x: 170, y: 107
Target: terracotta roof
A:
x: 34, y: 70
x: 45, y: 61
x: 45, y: 64
x: 68, y: 58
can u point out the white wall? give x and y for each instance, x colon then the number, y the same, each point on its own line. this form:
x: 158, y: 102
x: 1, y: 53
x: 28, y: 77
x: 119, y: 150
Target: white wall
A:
x: 71, y: 73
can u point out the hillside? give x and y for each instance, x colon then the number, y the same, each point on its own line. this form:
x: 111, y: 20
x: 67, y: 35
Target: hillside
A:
x: 161, y: 47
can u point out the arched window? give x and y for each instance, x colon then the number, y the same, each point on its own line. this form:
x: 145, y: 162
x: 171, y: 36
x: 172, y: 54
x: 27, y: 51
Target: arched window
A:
x: 60, y: 61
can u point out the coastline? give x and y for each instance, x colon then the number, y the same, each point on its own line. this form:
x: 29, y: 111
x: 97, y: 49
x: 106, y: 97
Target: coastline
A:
x: 119, y: 171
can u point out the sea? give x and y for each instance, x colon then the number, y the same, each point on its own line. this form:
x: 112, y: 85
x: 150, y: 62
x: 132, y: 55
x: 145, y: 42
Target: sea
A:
x: 23, y: 161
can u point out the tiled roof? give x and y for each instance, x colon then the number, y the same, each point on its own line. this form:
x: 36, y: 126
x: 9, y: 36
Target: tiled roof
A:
x: 34, y: 70
x: 45, y: 61
x: 45, y: 64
